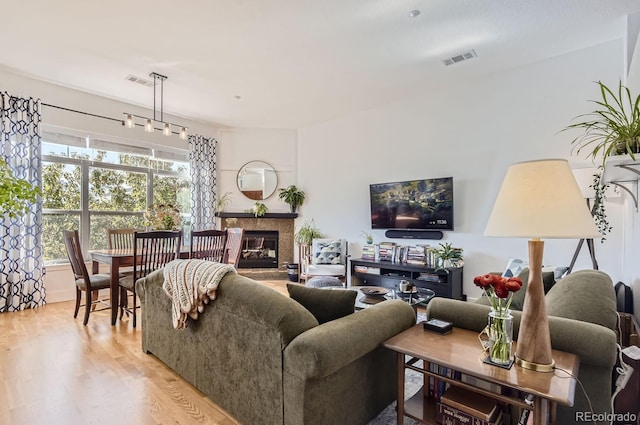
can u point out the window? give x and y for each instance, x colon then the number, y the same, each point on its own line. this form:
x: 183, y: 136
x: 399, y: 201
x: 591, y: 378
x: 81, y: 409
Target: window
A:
x: 93, y: 185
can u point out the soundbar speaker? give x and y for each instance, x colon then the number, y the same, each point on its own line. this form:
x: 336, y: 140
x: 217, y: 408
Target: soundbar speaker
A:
x: 413, y: 234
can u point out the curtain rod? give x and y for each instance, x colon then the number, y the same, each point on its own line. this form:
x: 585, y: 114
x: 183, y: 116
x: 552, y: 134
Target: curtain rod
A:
x: 83, y: 113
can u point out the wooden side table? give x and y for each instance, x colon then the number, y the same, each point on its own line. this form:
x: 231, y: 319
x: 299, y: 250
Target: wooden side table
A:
x: 460, y: 350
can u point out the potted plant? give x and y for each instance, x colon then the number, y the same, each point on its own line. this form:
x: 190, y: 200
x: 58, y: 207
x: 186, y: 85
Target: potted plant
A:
x: 368, y: 237
x: 223, y: 201
x: 259, y: 209
x: 16, y: 195
x: 447, y: 256
x: 613, y: 128
x: 307, y: 233
x: 292, y: 196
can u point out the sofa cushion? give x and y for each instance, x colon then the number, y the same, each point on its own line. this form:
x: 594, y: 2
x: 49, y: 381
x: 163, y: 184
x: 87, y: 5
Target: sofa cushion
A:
x: 548, y: 280
x: 325, y: 305
x: 585, y: 295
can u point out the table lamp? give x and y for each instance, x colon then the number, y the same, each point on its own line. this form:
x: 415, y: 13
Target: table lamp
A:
x: 539, y: 199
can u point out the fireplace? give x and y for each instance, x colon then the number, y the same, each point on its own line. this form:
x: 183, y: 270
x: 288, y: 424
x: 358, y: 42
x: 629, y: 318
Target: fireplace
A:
x: 283, y: 223
x: 259, y: 249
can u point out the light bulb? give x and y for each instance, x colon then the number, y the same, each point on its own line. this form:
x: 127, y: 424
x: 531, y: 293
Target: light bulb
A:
x: 148, y: 126
x: 167, y: 129
x: 183, y: 133
x: 129, y: 121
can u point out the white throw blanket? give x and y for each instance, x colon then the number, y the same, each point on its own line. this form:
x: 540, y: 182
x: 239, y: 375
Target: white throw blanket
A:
x: 191, y: 284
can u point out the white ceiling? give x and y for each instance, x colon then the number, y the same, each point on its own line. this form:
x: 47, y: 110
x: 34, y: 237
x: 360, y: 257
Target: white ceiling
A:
x: 292, y: 62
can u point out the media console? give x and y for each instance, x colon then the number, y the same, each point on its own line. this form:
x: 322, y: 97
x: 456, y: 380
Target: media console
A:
x: 444, y: 282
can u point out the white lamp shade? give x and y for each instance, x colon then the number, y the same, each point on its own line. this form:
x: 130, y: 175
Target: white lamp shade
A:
x: 541, y: 199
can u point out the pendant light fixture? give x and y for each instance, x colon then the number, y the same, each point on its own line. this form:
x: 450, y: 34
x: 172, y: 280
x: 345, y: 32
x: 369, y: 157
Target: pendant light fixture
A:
x: 150, y: 123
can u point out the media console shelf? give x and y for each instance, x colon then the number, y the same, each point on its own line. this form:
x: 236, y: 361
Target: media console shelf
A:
x: 444, y: 282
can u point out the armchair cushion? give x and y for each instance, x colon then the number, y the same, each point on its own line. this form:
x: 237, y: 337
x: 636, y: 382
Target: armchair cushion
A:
x: 328, y: 251
x: 326, y: 270
x: 325, y: 305
x: 585, y: 295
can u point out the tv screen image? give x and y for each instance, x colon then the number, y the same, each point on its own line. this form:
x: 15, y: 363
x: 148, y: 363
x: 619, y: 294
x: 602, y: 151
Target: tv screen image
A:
x: 416, y: 204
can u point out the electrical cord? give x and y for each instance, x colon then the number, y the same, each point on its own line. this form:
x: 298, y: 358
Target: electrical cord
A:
x: 624, y: 371
x: 583, y: 390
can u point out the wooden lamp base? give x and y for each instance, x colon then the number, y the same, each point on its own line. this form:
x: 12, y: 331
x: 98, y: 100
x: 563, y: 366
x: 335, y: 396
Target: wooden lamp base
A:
x: 534, y: 340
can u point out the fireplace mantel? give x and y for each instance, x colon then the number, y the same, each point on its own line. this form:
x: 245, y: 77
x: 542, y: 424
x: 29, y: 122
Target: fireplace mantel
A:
x: 251, y: 215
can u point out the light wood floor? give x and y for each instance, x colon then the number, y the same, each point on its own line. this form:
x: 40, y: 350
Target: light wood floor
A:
x: 55, y: 371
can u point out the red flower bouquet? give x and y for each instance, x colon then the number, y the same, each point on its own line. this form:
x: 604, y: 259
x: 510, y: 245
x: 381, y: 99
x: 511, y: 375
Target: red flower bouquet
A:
x: 499, y: 290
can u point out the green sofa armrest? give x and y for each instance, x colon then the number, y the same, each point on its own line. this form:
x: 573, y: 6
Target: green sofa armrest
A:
x: 324, y: 349
x: 594, y: 344
x: 154, y: 278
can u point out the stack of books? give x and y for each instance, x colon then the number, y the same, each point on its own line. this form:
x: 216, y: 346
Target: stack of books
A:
x: 385, y: 251
x: 416, y: 254
x: 369, y: 252
x: 458, y: 406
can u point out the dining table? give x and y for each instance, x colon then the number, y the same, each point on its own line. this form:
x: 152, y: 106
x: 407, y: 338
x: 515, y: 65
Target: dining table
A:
x: 117, y: 258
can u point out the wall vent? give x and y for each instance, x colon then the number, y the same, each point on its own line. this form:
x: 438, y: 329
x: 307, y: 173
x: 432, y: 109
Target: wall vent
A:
x: 461, y: 57
x: 139, y: 80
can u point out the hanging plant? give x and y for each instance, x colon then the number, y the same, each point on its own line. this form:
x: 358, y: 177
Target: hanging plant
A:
x: 598, y: 209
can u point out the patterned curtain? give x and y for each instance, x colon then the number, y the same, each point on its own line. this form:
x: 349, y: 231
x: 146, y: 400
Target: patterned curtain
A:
x: 21, y: 260
x: 202, y: 157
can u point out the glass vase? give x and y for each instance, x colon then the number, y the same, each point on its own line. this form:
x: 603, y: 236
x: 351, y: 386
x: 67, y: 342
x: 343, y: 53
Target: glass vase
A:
x: 500, y: 337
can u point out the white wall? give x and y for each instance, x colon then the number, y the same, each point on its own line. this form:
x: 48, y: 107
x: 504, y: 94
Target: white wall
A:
x: 237, y: 146
x: 472, y: 132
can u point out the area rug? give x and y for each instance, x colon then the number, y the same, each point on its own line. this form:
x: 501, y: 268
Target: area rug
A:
x: 412, y: 384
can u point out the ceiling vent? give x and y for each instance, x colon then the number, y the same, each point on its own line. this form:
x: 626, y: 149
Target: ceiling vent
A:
x: 139, y: 80
x: 461, y: 57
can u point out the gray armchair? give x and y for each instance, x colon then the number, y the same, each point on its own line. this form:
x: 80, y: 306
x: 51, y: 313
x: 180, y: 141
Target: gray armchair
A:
x: 582, y: 320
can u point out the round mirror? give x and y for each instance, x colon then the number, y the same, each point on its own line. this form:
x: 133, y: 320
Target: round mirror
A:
x: 257, y: 180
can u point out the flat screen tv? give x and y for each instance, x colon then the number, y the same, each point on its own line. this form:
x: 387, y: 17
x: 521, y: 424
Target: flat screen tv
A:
x: 417, y: 204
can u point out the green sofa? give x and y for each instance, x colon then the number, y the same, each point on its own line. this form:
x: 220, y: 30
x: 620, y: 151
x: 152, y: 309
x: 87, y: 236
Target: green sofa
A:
x: 263, y: 358
x: 582, y: 320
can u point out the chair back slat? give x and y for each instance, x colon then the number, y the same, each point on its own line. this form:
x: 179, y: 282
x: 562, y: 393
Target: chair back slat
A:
x: 74, y: 253
x: 153, y: 250
x: 208, y: 245
x: 233, y: 246
x: 120, y: 238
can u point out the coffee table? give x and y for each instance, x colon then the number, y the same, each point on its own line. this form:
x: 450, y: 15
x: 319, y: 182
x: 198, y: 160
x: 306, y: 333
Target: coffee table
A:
x: 419, y: 298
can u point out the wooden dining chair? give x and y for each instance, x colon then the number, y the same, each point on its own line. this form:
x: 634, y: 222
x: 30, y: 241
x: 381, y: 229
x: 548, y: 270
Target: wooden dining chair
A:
x: 233, y: 247
x: 208, y: 245
x: 84, y: 282
x: 120, y: 238
x: 151, y: 251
